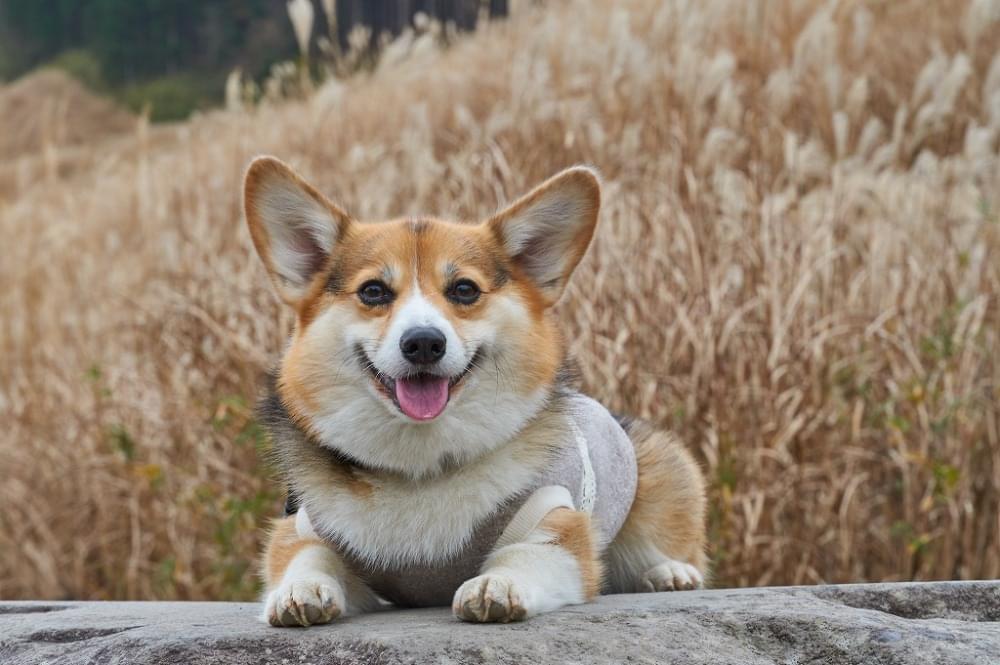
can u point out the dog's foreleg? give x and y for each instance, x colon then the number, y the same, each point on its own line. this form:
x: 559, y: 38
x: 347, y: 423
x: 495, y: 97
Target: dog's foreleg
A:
x: 555, y: 565
x: 307, y: 582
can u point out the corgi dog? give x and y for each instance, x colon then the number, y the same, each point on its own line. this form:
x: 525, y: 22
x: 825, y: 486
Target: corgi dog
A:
x: 435, y: 448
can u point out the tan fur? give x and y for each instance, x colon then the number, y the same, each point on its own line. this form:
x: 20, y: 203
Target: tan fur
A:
x: 282, y: 546
x: 572, y: 530
x: 669, y: 507
x: 418, y: 252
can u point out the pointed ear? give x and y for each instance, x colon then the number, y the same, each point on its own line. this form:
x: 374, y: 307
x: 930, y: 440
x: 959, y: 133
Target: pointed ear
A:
x: 294, y: 227
x: 548, y: 231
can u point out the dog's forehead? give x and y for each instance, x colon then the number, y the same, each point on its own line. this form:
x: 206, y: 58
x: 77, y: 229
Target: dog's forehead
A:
x: 427, y: 245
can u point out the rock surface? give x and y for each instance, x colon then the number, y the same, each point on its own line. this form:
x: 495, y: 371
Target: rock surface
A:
x: 940, y: 622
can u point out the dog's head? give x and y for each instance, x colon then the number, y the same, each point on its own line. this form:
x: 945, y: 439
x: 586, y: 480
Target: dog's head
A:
x: 418, y: 342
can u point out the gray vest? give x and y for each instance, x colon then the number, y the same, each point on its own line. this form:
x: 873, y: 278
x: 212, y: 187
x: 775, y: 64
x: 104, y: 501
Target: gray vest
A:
x: 597, y: 469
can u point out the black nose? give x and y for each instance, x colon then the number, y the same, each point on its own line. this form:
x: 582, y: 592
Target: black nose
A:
x: 423, y: 346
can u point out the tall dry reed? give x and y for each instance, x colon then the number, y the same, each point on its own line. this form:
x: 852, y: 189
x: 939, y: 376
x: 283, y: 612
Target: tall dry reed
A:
x: 797, y: 269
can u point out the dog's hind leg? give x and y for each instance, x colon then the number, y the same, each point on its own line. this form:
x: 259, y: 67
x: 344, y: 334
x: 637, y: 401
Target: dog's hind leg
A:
x: 661, y: 546
x: 307, y: 582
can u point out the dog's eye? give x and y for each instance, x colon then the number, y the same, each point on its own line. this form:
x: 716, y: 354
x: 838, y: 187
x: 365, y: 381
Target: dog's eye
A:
x: 375, y: 293
x: 464, y: 292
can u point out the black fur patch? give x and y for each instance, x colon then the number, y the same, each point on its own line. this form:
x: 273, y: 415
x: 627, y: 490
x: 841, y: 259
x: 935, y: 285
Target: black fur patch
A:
x: 291, y: 503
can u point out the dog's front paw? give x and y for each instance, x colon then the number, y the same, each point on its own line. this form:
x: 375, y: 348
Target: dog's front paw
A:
x: 305, y: 602
x: 489, y: 598
x: 672, y: 576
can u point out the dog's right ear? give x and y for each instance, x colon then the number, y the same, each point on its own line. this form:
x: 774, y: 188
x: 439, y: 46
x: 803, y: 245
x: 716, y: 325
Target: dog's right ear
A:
x: 293, y: 226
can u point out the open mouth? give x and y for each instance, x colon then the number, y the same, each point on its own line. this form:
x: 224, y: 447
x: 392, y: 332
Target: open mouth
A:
x: 421, y: 396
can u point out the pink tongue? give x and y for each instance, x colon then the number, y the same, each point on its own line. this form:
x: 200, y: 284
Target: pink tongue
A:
x: 422, y: 398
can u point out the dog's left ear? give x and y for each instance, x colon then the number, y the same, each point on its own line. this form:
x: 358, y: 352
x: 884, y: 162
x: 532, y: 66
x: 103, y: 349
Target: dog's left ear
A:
x: 548, y: 231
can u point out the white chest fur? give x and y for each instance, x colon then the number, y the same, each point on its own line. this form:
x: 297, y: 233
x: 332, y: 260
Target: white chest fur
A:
x: 405, y: 521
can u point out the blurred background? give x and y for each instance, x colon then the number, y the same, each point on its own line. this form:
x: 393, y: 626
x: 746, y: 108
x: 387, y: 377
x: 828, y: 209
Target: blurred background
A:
x: 173, y: 57
x: 797, y: 268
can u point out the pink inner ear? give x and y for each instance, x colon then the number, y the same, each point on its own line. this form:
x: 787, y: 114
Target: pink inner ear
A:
x: 312, y: 256
x: 540, y: 259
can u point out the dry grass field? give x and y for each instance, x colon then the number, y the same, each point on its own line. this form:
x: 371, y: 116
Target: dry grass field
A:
x: 797, y: 269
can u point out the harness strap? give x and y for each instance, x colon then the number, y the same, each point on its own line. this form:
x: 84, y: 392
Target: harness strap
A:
x: 588, y: 490
x: 542, y: 502
x: 546, y: 499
